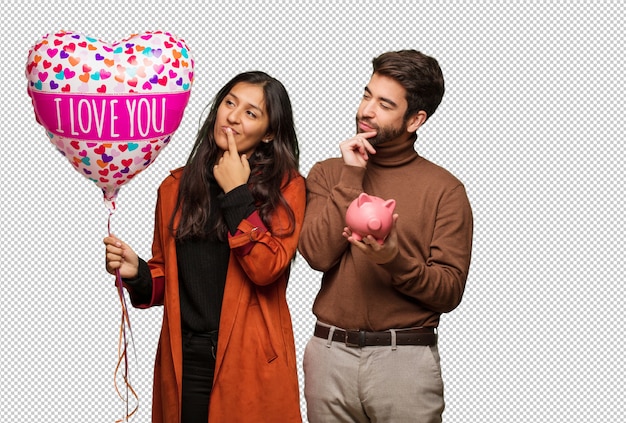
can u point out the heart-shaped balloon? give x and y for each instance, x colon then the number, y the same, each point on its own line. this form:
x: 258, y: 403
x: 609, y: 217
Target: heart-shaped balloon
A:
x: 110, y: 108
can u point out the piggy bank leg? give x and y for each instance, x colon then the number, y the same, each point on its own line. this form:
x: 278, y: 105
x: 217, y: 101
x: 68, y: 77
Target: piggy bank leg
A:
x: 356, y: 236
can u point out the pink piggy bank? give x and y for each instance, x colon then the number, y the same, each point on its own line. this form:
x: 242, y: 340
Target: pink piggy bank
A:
x: 370, y: 215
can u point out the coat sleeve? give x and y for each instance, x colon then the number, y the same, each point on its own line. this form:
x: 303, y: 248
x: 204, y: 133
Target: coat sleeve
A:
x: 148, y: 288
x: 157, y: 262
x: 265, y: 255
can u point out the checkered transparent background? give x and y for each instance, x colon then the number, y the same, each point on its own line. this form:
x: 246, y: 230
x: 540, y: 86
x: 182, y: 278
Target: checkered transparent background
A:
x: 532, y: 123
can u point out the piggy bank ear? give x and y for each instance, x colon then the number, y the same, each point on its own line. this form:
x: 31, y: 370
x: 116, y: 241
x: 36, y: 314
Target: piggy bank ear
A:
x: 363, y: 198
x: 390, y: 204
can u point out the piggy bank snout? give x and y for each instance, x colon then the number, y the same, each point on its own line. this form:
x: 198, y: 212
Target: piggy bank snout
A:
x: 374, y: 224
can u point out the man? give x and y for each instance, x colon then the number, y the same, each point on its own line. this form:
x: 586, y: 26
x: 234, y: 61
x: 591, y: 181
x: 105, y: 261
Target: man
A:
x: 374, y: 354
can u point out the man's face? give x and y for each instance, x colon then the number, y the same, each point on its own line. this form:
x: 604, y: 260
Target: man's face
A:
x: 382, y: 109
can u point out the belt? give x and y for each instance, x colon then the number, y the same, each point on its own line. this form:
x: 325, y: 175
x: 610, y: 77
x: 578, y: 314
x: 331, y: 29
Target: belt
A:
x: 361, y: 338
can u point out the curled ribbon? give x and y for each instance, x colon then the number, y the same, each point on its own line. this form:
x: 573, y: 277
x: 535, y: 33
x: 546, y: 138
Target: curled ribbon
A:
x: 122, y: 349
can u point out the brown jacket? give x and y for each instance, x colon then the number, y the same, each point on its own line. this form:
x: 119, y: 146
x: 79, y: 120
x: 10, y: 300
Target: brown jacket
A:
x: 255, y: 374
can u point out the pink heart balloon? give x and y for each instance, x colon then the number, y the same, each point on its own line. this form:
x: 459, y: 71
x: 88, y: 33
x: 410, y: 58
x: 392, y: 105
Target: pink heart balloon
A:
x: 110, y: 109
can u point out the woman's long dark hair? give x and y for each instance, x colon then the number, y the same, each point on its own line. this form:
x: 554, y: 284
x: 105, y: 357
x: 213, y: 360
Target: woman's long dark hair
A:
x: 272, y: 165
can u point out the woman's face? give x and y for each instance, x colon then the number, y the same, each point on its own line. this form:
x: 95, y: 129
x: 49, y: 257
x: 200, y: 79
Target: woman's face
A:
x: 243, y: 111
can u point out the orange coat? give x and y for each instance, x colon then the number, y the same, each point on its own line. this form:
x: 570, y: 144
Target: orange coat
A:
x: 255, y: 374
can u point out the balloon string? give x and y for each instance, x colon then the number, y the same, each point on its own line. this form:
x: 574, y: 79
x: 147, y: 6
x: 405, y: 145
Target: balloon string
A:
x: 122, y: 347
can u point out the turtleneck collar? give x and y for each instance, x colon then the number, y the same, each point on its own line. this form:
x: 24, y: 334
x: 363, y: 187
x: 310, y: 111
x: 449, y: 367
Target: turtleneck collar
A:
x: 394, y: 153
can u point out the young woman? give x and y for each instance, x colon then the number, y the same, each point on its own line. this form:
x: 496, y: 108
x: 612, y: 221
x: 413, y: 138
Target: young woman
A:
x: 226, y: 231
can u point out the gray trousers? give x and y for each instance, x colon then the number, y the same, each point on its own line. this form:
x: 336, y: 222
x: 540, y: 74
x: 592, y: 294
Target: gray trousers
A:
x: 372, y: 384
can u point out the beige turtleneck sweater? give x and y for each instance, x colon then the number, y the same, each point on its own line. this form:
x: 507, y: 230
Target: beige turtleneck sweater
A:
x: 435, y: 226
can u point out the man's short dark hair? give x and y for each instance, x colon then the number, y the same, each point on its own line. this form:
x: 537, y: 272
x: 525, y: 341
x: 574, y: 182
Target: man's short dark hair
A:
x: 419, y: 74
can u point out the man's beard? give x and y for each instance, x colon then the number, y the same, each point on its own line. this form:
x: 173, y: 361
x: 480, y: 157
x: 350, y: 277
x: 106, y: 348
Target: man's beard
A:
x: 383, y: 134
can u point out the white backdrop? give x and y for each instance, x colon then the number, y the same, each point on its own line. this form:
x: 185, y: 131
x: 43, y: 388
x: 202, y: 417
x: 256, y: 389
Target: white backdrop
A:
x: 532, y: 122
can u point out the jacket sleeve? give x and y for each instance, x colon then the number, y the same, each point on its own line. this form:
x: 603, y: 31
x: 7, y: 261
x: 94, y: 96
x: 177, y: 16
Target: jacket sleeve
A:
x: 147, y: 289
x: 439, y: 282
x: 328, y: 197
x: 265, y: 255
x: 156, y: 264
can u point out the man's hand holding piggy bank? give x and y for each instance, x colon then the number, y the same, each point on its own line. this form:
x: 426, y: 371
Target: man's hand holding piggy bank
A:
x: 370, y: 215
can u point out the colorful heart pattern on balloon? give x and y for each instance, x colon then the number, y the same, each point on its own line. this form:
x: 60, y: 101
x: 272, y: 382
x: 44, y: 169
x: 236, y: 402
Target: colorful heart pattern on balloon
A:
x: 110, y: 109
